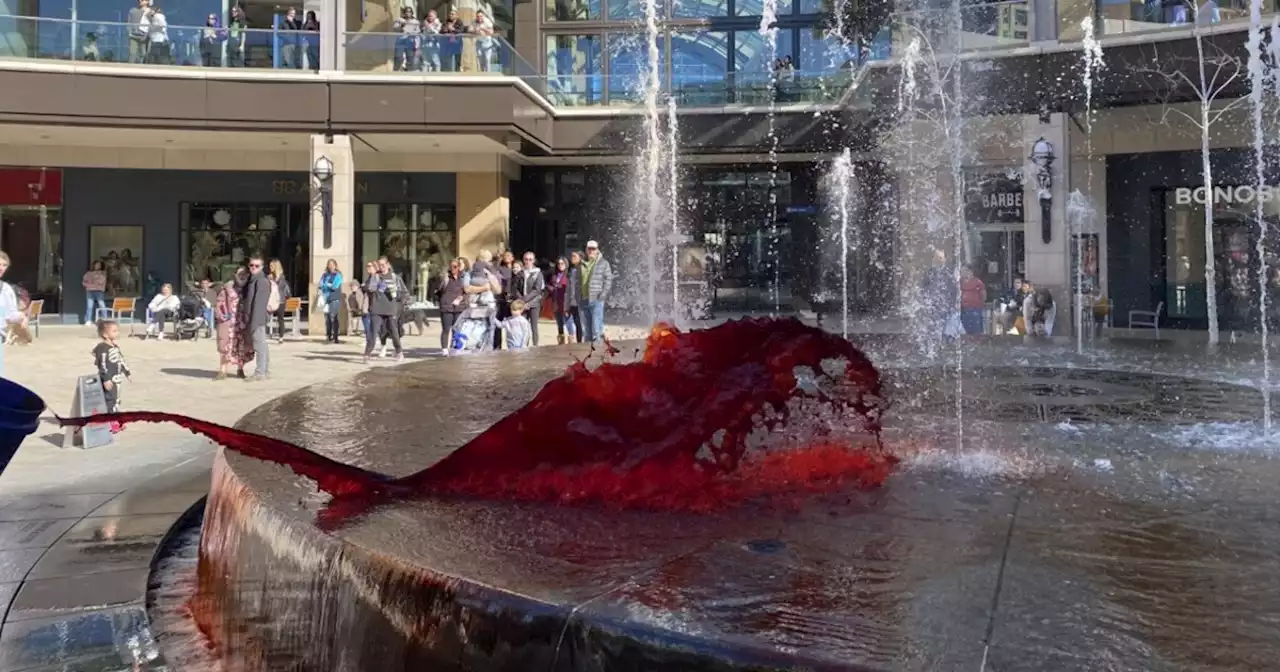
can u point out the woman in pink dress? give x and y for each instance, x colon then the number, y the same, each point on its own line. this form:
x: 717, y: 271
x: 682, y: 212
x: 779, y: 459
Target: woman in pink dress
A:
x: 234, y: 349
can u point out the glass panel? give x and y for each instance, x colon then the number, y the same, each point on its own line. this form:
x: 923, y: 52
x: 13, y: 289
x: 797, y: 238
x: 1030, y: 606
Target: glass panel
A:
x: 756, y: 7
x: 812, y: 6
x: 699, y: 63
x: 370, y: 247
x: 820, y: 53
x: 221, y: 238
x: 634, y: 9
x: 574, y: 69
x: 701, y: 9
x: 755, y: 80
x: 32, y: 236
x: 628, y: 60
x: 573, y: 10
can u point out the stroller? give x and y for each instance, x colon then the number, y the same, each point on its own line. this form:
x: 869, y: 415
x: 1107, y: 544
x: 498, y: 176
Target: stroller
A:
x: 191, y: 317
x: 473, y: 331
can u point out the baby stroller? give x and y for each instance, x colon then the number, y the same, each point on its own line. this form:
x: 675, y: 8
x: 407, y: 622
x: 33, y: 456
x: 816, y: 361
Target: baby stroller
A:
x: 473, y: 332
x: 191, y: 319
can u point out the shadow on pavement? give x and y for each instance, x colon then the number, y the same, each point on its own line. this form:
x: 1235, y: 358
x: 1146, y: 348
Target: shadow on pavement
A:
x: 190, y: 373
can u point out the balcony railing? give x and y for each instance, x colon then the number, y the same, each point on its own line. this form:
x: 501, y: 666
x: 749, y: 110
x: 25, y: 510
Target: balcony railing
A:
x: 702, y: 90
x: 466, y: 53
x: 203, y: 46
x: 991, y: 25
x: 1118, y: 18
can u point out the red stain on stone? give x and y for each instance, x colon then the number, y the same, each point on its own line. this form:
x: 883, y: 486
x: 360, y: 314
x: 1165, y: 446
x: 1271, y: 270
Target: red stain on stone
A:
x: 670, y: 432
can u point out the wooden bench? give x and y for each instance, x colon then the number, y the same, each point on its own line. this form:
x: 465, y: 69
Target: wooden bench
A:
x: 121, y: 311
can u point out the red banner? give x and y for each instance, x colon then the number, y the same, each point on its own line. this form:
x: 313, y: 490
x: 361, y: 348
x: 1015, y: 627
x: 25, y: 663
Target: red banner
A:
x: 30, y: 186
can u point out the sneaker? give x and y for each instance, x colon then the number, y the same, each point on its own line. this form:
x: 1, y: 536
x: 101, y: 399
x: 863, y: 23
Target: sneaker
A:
x: 383, y: 353
x: 256, y: 378
x: 221, y: 375
x: 160, y: 336
x: 399, y: 357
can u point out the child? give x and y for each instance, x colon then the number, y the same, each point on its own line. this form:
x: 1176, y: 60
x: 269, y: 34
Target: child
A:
x: 517, y: 330
x: 112, y: 369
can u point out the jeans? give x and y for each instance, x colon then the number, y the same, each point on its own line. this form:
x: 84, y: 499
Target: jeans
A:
x: 447, y: 321
x: 93, y: 299
x: 971, y: 318
x: 406, y: 54
x: 484, y: 53
x: 431, y: 57
x: 331, y: 322
x: 261, y: 356
x: 158, y: 318
x: 578, y: 329
x: 365, y: 324
x: 388, y: 324
x: 235, y: 53
x: 592, y: 320
x: 531, y: 313
x: 280, y: 321
x: 565, y: 324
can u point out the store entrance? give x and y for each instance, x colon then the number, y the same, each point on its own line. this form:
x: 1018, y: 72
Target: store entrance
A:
x: 998, y: 255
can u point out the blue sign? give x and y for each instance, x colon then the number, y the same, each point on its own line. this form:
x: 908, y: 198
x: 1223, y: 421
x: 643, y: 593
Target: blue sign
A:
x: 802, y: 209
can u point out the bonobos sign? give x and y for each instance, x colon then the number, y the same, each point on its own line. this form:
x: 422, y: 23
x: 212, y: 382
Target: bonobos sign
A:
x: 1226, y: 195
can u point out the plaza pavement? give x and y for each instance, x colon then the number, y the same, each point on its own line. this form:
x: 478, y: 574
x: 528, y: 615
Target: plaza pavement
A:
x: 174, y: 377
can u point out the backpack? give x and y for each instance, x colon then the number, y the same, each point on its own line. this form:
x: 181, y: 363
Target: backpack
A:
x: 273, y: 300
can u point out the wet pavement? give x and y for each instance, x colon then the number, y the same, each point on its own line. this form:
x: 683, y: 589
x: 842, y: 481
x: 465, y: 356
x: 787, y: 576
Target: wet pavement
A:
x: 1066, y: 518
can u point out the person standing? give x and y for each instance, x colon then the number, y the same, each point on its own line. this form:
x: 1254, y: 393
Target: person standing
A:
x: 331, y: 299
x: 385, y: 291
x: 236, y: 34
x: 973, y: 301
x: 290, y: 32
x: 571, y: 293
x: 452, y: 298
x: 282, y: 286
x: 594, y: 284
x: 256, y: 312
x: 159, y: 51
x: 139, y: 29
x: 112, y: 369
x: 504, y: 273
x: 95, y: 284
x: 559, y: 293
x: 234, y: 348
x: 528, y: 286
x: 11, y: 313
x: 431, y: 27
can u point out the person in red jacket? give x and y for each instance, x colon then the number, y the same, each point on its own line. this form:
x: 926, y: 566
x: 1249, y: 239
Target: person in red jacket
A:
x: 973, y: 301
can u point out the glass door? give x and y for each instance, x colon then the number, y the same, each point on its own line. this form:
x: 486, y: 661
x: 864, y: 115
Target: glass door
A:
x: 32, y: 236
x: 999, y: 256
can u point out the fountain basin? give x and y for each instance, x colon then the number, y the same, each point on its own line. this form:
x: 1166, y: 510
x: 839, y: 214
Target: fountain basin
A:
x: 921, y: 574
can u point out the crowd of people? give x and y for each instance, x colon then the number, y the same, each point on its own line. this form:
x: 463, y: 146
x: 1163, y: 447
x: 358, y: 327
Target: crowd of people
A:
x: 1020, y: 309
x: 428, y: 44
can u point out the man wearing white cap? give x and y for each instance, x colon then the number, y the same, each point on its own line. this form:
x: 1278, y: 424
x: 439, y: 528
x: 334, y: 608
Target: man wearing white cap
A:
x: 595, y: 280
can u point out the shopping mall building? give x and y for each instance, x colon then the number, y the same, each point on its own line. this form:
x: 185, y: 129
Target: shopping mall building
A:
x: 176, y: 156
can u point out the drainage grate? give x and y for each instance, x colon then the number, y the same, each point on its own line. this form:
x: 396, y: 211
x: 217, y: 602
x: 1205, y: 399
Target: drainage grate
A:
x: 1047, y: 394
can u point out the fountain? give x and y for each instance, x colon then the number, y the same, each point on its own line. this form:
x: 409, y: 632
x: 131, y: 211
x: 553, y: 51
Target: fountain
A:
x: 1084, y: 215
x: 753, y: 496
x: 1258, y: 82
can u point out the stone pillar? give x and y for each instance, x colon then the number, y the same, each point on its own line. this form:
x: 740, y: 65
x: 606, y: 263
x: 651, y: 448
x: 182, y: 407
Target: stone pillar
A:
x: 343, y: 236
x: 1047, y: 263
x: 332, y: 27
x: 484, y: 213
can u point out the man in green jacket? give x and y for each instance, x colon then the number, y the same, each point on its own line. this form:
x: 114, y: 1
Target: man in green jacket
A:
x: 595, y: 281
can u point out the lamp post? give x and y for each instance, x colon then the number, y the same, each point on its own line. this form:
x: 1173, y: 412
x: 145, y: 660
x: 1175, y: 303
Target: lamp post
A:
x: 1042, y: 156
x: 323, y: 172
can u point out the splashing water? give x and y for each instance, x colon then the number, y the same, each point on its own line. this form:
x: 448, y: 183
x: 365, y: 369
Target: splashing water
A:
x: 1257, y: 93
x: 709, y: 418
x: 673, y: 190
x: 841, y: 182
x: 1093, y: 63
x: 769, y: 30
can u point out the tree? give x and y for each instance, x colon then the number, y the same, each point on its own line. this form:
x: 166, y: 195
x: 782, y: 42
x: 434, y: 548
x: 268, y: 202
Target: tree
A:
x: 1212, y: 79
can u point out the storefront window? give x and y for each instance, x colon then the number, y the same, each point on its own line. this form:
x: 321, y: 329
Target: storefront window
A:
x: 574, y: 69
x: 699, y: 64
x: 573, y: 10
x: 218, y: 238
x: 628, y: 63
x: 418, y: 240
x: 820, y: 53
x: 31, y: 231
x: 1235, y: 238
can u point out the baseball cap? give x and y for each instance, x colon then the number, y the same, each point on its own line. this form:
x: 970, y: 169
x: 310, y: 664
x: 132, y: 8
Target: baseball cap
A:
x: 592, y: 243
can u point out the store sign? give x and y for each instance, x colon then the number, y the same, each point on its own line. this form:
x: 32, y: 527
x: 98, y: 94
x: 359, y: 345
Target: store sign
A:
x: 1229, y: 195
x: 994, y: 199
x: 291, y: 187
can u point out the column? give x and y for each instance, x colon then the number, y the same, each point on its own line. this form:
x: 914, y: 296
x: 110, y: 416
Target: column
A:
x: 1047, y: 263
x: 332, y: 27
x: 484, y: 212
x: 342, y: 239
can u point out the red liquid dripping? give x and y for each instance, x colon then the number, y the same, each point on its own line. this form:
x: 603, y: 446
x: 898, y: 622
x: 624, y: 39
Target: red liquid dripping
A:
x: 669, y: 432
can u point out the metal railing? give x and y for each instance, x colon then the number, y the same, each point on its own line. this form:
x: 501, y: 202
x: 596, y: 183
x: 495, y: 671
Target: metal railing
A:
x: 465, y: 53
x: 200, y: 46
x: 993, y: 25
x: 1120, y: 19
x: 703, y: 90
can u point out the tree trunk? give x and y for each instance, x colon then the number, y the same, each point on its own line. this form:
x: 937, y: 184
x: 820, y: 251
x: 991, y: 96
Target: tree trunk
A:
x: 1210, y: 265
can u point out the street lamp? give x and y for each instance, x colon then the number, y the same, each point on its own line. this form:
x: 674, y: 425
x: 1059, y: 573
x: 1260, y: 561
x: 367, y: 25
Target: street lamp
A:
x: 1042, y: 157
x: 322, y: 170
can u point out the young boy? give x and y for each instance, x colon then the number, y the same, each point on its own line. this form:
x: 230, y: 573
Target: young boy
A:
x: 518, y: 332
x: 112, y: 369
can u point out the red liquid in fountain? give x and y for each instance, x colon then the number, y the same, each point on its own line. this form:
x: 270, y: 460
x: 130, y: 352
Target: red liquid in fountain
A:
x: 674, y: 431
